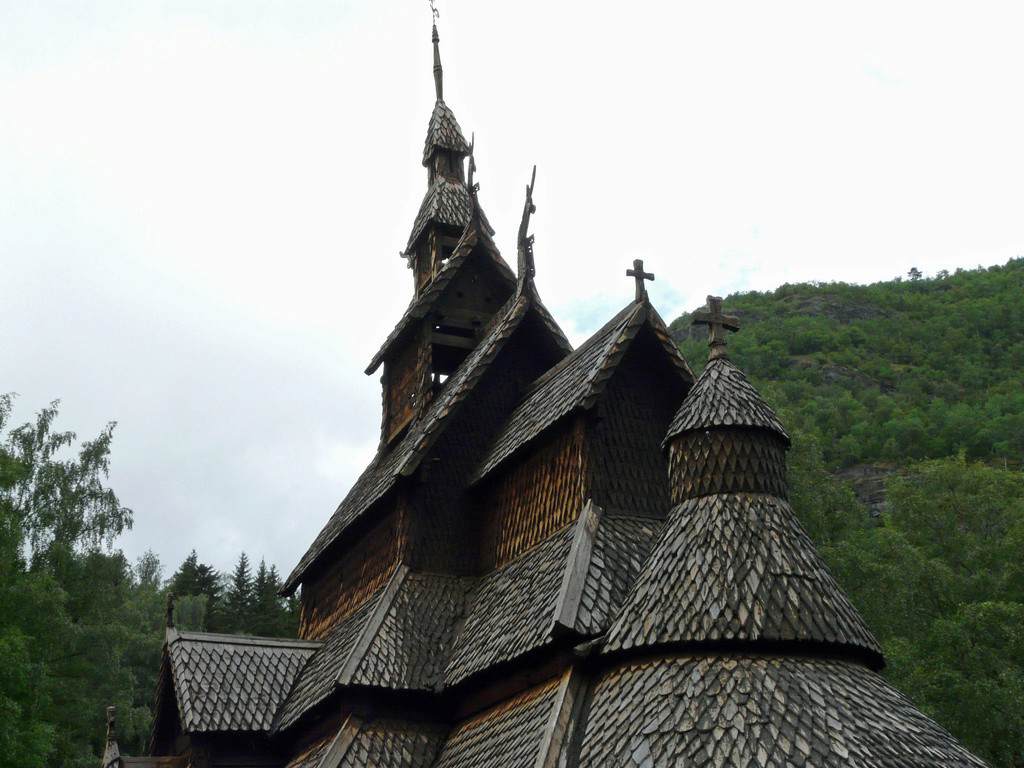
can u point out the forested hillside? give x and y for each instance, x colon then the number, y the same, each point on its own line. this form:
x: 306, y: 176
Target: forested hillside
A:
x: 898, y: 371
x: 916, y: 381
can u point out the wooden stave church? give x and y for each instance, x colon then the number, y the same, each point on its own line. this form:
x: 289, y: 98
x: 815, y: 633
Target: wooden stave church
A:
x: 557, y: 557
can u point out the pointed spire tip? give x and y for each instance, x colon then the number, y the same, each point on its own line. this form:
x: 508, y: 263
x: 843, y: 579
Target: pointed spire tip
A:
x: 438, y: 72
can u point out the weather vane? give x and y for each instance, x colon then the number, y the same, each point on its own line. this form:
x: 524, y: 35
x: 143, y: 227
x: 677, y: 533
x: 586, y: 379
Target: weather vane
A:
x: 433, y: 9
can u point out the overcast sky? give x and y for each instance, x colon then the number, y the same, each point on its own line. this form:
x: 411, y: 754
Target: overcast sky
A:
x: 202, y: 203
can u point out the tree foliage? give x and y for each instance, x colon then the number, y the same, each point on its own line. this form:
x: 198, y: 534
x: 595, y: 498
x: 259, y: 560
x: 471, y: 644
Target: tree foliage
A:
x: 891, y: 372
x: 81, y: 628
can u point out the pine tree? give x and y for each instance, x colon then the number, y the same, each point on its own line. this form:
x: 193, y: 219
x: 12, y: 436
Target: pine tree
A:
x: 238, y: 603
x: 198, y: 580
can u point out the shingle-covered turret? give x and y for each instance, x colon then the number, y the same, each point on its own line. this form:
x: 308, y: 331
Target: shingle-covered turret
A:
x: 447, y: 206
x: 733, y: 564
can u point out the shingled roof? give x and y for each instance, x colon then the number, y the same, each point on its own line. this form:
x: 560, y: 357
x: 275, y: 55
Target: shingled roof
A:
x: 447, y: 202
x: 575, y: 580
x: 403, y: 459
x: 738, y: 567
x: 578, y: 380
x: 698, y: 628
x: 411, y: 643
x: 232, y: 682
x: 510, y: 734
x: 737, y: 711
x: 443, y: 132
x: 319, y: 676
x: 723, y: 397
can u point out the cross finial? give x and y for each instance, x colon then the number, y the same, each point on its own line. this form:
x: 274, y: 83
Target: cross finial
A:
x: 718, y: 325
x: 638, y: 274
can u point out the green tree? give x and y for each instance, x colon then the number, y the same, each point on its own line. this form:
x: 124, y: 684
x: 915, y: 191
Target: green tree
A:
x: 59, y: 647
x: 239, y: 600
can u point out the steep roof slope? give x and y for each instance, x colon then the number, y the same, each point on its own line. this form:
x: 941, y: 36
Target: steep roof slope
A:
x: 476, y: 241
x: 403, y: 458
x: 724, y: 397
x: 578, y: 380
x: 737, y: 568
x: 737, y: 711
x: 232, y: 682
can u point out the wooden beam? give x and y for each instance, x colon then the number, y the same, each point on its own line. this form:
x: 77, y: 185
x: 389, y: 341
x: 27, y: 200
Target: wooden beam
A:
x: 346, y: 735
x: 459, y: 316
x: 565, y: 712
x: 567, y: 604
x: 373, y: 622
x: 451, y: 340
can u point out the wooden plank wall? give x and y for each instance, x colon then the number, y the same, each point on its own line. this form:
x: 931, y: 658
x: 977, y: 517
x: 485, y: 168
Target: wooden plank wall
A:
x: 541, y: 491
x: 406, y: 385
x: 354, y: 576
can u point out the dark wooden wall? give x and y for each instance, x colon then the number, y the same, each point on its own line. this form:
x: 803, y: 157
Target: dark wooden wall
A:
x: 363, y: 568
x: 629, y: 472
x: 444, y: 520
x: 541, y: 490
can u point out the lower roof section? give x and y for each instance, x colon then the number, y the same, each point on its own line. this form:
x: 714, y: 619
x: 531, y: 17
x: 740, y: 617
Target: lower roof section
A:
x: 232, y: 682
x: 740, y: 711
x: 738, y: 567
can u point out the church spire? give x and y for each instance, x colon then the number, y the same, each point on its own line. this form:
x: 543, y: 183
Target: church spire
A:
x: 438, y: 72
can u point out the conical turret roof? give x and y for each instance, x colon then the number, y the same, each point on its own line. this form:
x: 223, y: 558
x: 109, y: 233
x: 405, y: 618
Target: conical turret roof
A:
x: 444, y: 133
x: 738, y: 567
x: 724, y: 397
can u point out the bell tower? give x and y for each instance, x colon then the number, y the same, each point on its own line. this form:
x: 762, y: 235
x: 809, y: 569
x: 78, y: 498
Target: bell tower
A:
x: 446, y: 207
x: 459, y: 277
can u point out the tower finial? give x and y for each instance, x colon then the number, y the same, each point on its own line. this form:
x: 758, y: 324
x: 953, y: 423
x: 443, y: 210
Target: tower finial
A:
x: 526, y: 266
x: 438, y: 76
x: 638, y: 274
x: 717, y: 324
x: 170, y: 611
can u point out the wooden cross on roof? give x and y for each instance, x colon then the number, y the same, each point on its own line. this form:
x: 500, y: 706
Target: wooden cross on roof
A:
x: 638, y: 274
x: 718, y: 325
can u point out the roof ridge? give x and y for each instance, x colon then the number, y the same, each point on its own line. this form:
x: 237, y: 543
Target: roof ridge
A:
x: 250, y: 640
x: 575, y: 382
x: 613, y: 350
x: 554, y: 370
x: 577, y: 566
